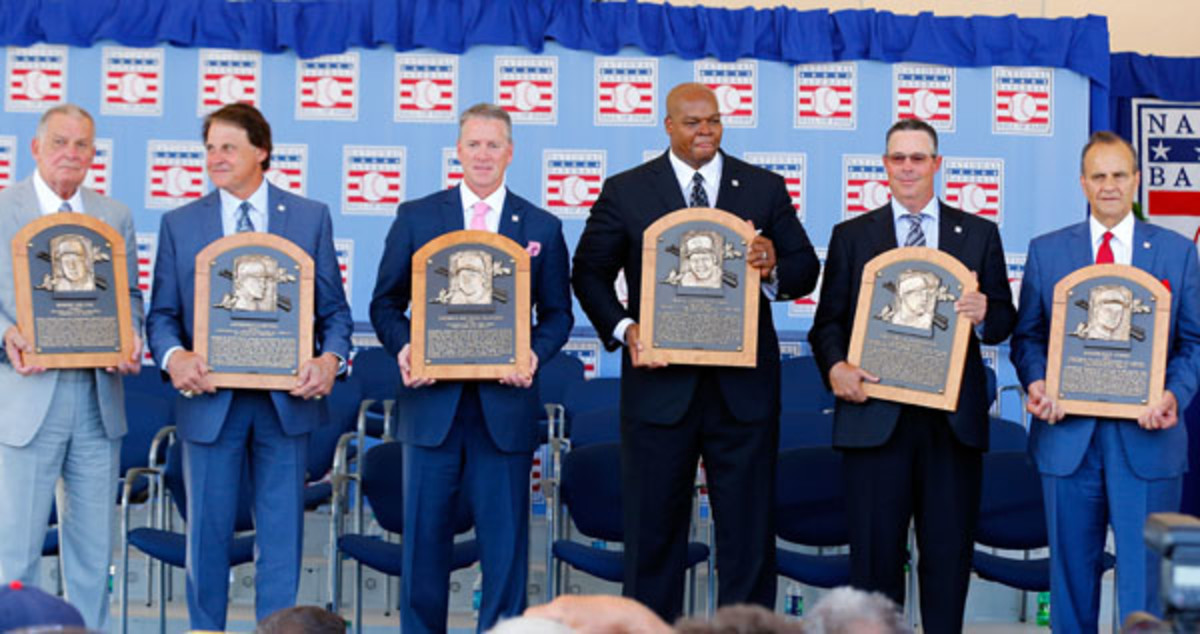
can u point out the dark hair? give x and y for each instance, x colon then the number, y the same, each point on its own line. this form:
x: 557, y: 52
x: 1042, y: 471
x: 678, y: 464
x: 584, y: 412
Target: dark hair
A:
x: 302, y: 619
x: 915, y: 125
x: 248, y: 118
x: 1105, y: 137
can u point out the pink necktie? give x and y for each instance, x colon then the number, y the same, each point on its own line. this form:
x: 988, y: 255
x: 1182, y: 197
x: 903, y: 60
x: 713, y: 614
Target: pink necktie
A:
x: 479, y: 220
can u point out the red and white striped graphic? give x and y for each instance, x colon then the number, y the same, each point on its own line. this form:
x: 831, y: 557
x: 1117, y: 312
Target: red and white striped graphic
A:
x: 925, y: 92
x: 791, y: 166
x: 587, y: 350
x: 864, y: 184
x: 571, y: 181
x: 174, y: 173
x: 345, y: 259
x: 452, y: 171
x: 372, y: 179
x: 626, y: 91
x: 807, y: 306
x: 289, y: 167
x: 426, y: 87
x: 99, y: 176
x: 826, y: 96
x: 327, y: 87
x: 8, y: 161
x: 527, y: 88
x: 228, y: 77
x: 975, y: 185
x: 736, y: 86
x: 1023, y: 100
x: 132, y: 81
x: 36, y: 78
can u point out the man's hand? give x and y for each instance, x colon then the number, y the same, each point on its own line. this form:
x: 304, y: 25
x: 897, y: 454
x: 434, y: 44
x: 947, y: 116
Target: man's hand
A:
x: 404, y: 358
x: 761, y: 254
x: 316, y: 377
x: 973, y: 304
x: 846, y: 381
x: 517, y: 379
x: 16, y: 346
x: 600, y: 614
x: 1040, y: 404
x: 189, y: 373
x: 131, y: 365
x: 1161, y: 415
x: 634, y: 343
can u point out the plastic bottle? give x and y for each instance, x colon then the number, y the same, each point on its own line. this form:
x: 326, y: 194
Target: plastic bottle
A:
x: 1043, y: 609
x: 793, y: 600
x: 477, y: 593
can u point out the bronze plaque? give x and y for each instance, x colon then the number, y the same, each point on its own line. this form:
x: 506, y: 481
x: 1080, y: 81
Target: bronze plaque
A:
x: 699, y: 294
x: 72, y: 292
x: 470, y: 307
x: 254, y: 310
x: 906, y: 331
x: 1108, y: 341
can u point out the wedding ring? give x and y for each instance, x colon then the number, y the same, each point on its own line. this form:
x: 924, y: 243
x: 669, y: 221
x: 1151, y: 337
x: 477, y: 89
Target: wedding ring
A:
x: 187, y: 393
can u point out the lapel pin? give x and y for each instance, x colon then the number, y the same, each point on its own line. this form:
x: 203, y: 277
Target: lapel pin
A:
x: 280, y: 207
x: 735, y: 182
x: 1146, y: 244
x: 515, y: 218
x: 957, y: 228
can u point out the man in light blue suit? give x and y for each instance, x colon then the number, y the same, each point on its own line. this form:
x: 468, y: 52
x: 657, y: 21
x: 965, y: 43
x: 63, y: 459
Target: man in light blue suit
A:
x: 470, y: 438
x: 1097, y: 471
x: 221, y: 429
x: 63, y: 424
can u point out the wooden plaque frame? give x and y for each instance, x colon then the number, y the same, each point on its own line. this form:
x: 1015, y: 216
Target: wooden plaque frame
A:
x: 947, y: 399
x: 421, y: 260
x: 1158, y: 351
x: 747, y: 355
x: 23, y: 289
x: 203, y: 306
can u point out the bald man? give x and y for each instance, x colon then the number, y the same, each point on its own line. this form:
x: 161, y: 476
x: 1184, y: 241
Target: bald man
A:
x: 672, y: 416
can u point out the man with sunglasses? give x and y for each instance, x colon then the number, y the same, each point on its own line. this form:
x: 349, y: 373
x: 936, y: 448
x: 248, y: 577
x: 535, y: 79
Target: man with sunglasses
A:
x: 903, y: 461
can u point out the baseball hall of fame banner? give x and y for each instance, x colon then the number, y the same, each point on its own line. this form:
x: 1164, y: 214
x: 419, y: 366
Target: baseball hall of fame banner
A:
x: 72, y: 292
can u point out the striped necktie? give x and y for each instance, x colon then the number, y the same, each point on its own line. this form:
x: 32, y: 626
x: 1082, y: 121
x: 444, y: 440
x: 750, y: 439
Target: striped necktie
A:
x: 65, y: 207
x: 916, y: 236
x: 699, y: 197
x: 243, y: 221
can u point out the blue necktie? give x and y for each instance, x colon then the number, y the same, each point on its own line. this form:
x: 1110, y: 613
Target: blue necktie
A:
x: 699, y: 197
x: 65, y: 206
x: 243, y: 222
x: 916, y: 236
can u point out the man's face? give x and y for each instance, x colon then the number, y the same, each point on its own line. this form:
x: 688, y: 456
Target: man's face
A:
x: 916, y: 296
x: 1109, y: 182
x: 911, y: 165
x: 485, y: 151
x: 253, y: 283
x: 1111, y: 313
x: 233, y: 163
x: 71, y: 259
x: 64, y: 152
x: 471, y: 282
x: 694, y: 125
x: 702, y: 264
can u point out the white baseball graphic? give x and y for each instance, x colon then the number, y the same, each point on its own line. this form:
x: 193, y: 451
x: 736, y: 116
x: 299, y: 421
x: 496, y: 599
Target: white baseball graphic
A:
x: 374, y: 186
x: 1022, y: 107
x: 626, y: 98
x: 526, y: 96
x: 328, y: 92
x: 278, y: 179
x: 972, y: 198
x: 574, y: 190
x: 36, y: 84
x: 426, y: 94
x: 826, y: 101
x: 727, y: 98
x: 177, y: 181
x: 874, y: 194
x: 131, y: 88
x: 925, y: 103
x: 229, y: 89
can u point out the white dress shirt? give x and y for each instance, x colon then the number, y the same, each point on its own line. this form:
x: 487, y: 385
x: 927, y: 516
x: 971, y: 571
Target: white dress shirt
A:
x: 929, y: 222
x: 230, y: 209
x: 495, y: 200
x: 49, y: 202
x: 1122, y: 240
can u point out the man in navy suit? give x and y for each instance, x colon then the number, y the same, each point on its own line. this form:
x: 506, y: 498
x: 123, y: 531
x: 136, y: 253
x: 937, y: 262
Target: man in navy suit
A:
x: 904, y: 462
x: 474, y: 439
x: 1097, y: 471
x: 222, y: 429
x: 672, y: 416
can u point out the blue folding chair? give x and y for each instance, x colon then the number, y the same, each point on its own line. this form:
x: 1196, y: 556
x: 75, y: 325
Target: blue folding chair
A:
x: 810, y: 510
x: 1005, y: 435
x: 803, y: 388
x: 555, y: 377
x: 805, y: 429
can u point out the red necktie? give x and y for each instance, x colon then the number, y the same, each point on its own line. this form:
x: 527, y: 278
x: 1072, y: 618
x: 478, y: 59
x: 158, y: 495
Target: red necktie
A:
x: 1104, y: 254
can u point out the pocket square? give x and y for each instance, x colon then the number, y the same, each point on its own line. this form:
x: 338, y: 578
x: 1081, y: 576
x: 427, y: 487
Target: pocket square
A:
x: 534, y: 248
x: 1166, y: 283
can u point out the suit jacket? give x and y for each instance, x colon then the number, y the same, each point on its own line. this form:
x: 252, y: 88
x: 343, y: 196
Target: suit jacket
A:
x: 425, y: 414
x: 1059, y: 449
x: 187, y: 230
x: 23, y: 416
x: 612, y: 240
x: 973, y: 241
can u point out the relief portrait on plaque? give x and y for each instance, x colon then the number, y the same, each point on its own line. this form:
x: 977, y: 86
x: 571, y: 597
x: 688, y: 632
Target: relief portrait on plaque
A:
x: 469, y: 279
x: 701, y: 261
x: 255, y: 289
x: 1110, y: 309
x: 73, y: 260
x: 916, y: 295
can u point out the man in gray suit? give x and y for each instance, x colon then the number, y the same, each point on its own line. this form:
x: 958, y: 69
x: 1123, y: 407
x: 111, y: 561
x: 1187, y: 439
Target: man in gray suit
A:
x: 60, y: 423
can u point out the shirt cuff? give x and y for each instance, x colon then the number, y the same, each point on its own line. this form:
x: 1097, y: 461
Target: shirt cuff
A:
x: 622, y: 326
x: 167, y: 357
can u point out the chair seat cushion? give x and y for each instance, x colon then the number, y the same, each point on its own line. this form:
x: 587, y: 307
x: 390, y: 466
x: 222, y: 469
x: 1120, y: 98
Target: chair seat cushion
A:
x: 387, y: 557
x: 171, y: 547
x: 1032, y: 575
x: 821, y: 571
x: 609, y: 564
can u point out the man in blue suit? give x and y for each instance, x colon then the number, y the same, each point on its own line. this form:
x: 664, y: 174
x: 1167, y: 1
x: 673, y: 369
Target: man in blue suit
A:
x: 461, y: 437
x: 1100, y: 470
x: 222, y: 429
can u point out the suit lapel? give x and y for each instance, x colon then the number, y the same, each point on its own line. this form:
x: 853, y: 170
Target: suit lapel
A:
x: 730, y: 191
x: 881, y: 230
x: 451, y: 211
x: 1143, y: 247
x: 1079, y: 246
x: 28, y: 209
x: 951, y: 235
x: 512, y: 219
x: 665, y: 184
x: 277, y: 212
x: 212, y: 228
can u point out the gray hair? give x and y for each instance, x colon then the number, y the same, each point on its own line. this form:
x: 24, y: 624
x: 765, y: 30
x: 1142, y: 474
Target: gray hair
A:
x: 66, y: 109
x: 530, y: 625
x: 847, y: 610
x: 1106, y: 137
x: 486, y: 111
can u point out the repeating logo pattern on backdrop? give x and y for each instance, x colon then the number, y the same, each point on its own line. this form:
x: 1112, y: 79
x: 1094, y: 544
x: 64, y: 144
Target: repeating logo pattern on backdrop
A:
x: 147, y: 251
x: 8, y: 161
x: 345, y: 259
x: 925, y: 92
x: 132, y: 81
x: 1167, y: 138
x: 571, y: 181
x: 626, y: 91
x: 1023, y: 100
x: 791, y: 166
x: 527, y: 88
x: 864, y: 184
x: 372, y: 179
x: 99, y: 176
x: 807, y: 306
x: 289, y: 167
x: 174, y: 173
x: 452, y: 171
x: 826, y: 96
x: 327, y: 87
x: 587, y: 350
x: 975, y: 185
x: 1016, y: 273
x: 736, y: 87
x: 228, y: 77
x: 36, y: 79
x: 426, y: 88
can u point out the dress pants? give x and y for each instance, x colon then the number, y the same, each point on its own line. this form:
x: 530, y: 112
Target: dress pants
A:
x: 72, y: 445
x: 213, y: 477
x: 496, y: 484
x: 925, y: 474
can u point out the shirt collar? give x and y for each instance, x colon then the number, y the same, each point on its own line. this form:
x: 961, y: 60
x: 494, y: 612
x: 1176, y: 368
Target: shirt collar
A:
x: 495, y: 200
x: 930, y: 210
x: 258, y: 200
x: 684, y: 172
x: 48, y: 200
x: 1122, y: 232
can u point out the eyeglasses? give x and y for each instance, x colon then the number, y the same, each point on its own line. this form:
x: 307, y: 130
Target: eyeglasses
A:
x: 916, y: 159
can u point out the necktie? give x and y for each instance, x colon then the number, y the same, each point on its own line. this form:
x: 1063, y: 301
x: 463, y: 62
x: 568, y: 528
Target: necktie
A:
x: 479, y: 220
x: 65, y: 206
x: 243, y: 222
x: 699, y: 197
x: 916, y: 236
x: 1104, y: 254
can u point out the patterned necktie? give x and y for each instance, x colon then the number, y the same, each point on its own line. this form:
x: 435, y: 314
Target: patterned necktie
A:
x: 479, y: 220
x: 916, y: 236
x: 699, y: 197
x: 243, y: 222
x: 66, y: 206
x: 1104, y: 254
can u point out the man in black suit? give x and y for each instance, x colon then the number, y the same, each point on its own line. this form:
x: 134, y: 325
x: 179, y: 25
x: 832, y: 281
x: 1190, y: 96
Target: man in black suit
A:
x: 903, y: 461
x: 670, y: 416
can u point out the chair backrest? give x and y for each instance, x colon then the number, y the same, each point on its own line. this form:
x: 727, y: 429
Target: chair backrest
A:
x: 379, y: 378
x: 591, y: 490
x: 803, y: 389
x: 556, y: 375
x: 173, y: 478
x: 595, y: 426
x: 148, y: 408
x: 805, y: 429
x: 991, y: 384
x: 591, y: 395
x: 343, y: 409
x: 1006, y: 435
x: 810, y: 502
x: 383, y: 486
x: 1011, y: 514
